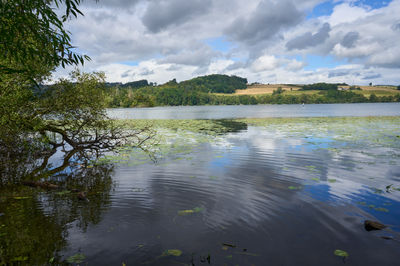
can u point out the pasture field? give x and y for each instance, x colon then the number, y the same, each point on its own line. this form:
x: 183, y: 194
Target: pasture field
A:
x: 261, y: 89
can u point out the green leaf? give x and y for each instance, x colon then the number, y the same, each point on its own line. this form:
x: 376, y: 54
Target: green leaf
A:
x: 21, y: 198
x: 172, y: 252
x: 187, y: 212
x: 294, y: 188
x: 341, y: 253
x: 20, y: 258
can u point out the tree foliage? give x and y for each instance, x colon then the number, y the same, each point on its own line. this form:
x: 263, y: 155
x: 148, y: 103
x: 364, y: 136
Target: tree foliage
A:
x: 32, y: 31
x: 215, y: 83
x: 320, y: 86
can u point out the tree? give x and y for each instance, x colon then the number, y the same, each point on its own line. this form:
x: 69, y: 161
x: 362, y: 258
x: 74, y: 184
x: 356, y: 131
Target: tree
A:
x: 33, y: 43
x: 279, y: 90
x: 70, y: 113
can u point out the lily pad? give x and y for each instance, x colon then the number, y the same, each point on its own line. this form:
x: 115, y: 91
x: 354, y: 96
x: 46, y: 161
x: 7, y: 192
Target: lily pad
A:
x: 341, y: 253
x: 77, y: 258
x: 172, y: 252
x: 188, y: 212
x: 380, y: 209
x: 185, y: 212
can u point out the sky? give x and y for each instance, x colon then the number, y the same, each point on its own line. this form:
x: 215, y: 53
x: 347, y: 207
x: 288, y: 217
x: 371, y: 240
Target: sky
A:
x: 266, y: 41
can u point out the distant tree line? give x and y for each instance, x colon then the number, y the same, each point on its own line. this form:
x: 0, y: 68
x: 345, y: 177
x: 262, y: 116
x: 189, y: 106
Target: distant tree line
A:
x: 320, y: 86
x: 204, y: 91
x: 174, y: 96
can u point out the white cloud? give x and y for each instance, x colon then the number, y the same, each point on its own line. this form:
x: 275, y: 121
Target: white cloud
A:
x: 169, y: 44
x: 265, y: 62
x: 345, y: 13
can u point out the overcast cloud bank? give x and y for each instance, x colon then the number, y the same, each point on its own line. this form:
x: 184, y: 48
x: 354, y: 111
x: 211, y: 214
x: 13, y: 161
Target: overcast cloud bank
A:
x: 267, y: 41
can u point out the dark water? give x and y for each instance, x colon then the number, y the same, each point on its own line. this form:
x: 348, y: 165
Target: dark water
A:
x: 285, y: 193
x: 253, y: 111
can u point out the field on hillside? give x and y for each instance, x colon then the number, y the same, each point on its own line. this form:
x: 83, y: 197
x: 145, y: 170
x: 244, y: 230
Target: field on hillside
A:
x: 295, y: 90
x: 264, y: 89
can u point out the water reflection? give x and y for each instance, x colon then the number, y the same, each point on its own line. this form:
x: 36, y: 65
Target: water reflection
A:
x: 271, y: 194
x: 288, y: 201
x: 37, y: 214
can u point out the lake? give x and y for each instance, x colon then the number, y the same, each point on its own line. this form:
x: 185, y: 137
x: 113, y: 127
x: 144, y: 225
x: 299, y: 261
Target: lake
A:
x: 259, y: 191
x: 252, y: 111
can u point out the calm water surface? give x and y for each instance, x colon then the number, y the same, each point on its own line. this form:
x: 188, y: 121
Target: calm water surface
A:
x: 252, y: 111
x: 275, y: 194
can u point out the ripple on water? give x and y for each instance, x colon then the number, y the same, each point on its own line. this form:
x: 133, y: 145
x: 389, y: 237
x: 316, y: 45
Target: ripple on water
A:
x: 283, y: 200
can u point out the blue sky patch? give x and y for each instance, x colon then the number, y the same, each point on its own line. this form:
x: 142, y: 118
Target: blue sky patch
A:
x: 219, y: 44
x: 130, y: 63
x: 323, y: 9
x: 316, y: 61
x: 326, y: 8
x: 374, y: 4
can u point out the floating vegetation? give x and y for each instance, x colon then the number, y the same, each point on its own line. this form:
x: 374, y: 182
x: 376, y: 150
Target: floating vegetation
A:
x: 380, y: 209
x: 295, y: 188
x: 204, y: 126
x: 172, y: 252
x: 77, y: 258
x: 332, y: 180
x: 341, y: 253
x: 311, y: 168
x: 382, y: 131
x: 373, y: 225
x: 192, y: 211
x: 315, y: 179
x: 372, y: 206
